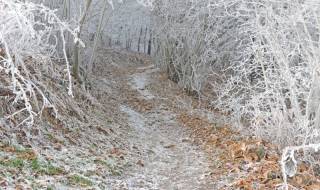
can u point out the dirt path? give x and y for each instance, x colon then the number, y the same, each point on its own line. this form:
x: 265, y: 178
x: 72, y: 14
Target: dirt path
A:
x: 167, y: 159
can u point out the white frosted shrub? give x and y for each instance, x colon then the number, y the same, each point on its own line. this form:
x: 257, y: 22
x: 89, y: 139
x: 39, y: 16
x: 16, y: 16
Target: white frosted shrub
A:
x: 180, y: 44
x: 265, y: 53
x: 274, y: 80
x: 29, y: 35
x: 263, y: 56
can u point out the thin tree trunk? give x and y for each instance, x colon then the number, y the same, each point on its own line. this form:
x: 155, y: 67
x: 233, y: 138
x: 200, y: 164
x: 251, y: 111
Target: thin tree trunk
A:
x: 149, y: 43
x: 139, y: 40
x: 145, y: 40
x: 97, y: 37
x: 75, y: 68
x: 66, y: 16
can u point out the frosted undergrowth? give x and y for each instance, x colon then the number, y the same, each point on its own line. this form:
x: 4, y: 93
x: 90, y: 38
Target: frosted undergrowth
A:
x: 30, y: 36
x: 260, y: 59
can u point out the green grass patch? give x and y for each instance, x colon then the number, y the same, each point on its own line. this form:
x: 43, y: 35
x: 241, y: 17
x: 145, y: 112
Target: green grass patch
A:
x: 35, y: 165
x: 46, y: 169
x: 13, y: 163
x: 78, y: 180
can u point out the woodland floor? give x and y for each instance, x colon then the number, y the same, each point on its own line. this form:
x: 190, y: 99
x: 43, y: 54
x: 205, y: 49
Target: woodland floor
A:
x: 138, y: 130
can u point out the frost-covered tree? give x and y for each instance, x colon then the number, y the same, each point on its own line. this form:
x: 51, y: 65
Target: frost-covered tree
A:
x: 29, y: 36
x: 180, y: 41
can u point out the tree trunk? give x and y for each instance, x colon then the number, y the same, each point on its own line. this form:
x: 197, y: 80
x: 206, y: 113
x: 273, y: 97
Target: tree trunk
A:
x: 145, y: 40
x: 97, y: 37
x: 139, y: 40
x: 75, y: 68
x: 149, y: 43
